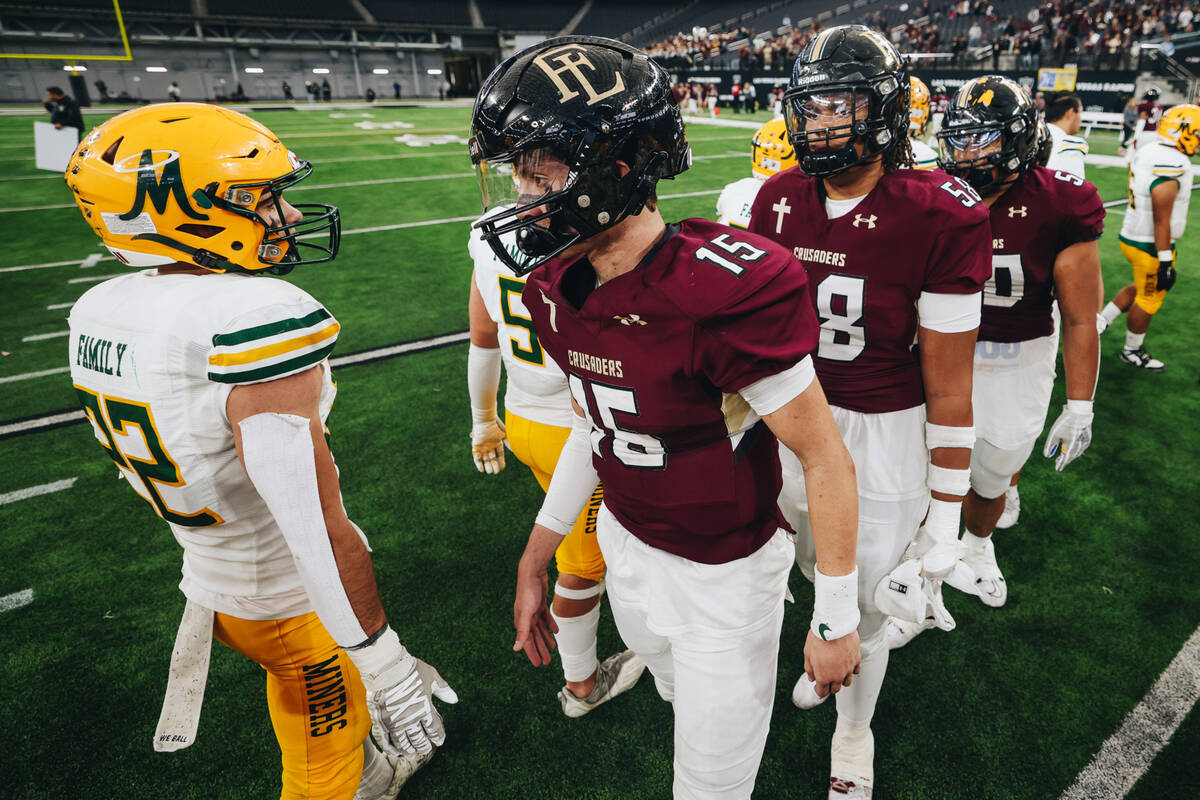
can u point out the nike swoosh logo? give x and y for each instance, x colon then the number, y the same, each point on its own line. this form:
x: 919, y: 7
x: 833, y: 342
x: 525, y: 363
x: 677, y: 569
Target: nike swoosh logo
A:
x: 821, y: 631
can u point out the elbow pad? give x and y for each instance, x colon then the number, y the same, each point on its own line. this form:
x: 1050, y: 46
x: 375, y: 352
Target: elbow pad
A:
x: 278, y: 453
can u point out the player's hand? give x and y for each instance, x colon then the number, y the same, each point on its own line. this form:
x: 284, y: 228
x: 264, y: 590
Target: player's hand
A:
x: 1166, y: 276
x: 1070, y: 434
x: 831, y: 665
x: 58, y: 126
x: 400, y: 691
x: 531, y: 615
x: 487, y: 446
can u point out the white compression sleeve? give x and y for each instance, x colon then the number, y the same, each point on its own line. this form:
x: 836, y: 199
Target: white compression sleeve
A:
x: 574, y: 481
x: 950, y: 313
x: 483, y: 381
x: 278, y: 453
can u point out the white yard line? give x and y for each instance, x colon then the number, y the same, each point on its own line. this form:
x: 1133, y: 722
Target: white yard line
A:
x: 16, y: 600
x: 1128, y: 753
x: 36, y: 208
x: 37, y: 337
x: 57, y: 306
x: 72, y: 263
x: 399, y: 349
x: 96, y: 278
x: 35, y: 491
x: 30, y: 376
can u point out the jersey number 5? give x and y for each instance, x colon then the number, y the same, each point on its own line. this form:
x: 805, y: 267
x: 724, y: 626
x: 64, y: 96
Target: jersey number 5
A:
x: 114, y: 415
x: 633, y: 449
x: 533, y: 354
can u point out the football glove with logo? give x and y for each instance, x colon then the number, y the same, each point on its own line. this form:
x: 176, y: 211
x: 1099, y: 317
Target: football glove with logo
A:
x: 1070, y: 434
x: 400, y: 692
x: 1166, y: 274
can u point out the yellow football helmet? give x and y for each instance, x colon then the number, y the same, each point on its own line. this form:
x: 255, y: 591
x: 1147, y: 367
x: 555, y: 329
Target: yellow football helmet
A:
x: 182, y: 182
x: 1180, y: 128
x: 918, y: 106
x: 770, y: 150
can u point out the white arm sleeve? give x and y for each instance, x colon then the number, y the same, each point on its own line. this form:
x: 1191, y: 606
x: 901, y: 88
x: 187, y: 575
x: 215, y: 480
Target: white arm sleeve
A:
x: 483, y: 381
x: 768, y: 395
x: 574, y: 481
x: 278, y: 452
x: 949, y: 313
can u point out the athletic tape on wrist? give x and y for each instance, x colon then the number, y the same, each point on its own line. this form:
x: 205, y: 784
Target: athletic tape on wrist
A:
x: 835, y: 607
x: 383, y: 662
x: 1165, y: 255
x: 578, y: 594
x: 948, y: 481
x: 1081, y: 408
x: 949, y: 435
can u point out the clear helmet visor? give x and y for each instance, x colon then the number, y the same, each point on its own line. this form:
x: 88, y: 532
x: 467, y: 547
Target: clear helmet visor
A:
x: 521, y: 180
x: 973, y: 146
x: 834, y: 109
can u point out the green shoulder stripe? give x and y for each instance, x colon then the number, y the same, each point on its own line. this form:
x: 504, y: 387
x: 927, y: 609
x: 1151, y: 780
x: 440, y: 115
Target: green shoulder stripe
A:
x: 270, y: 329
x: 274, y: 370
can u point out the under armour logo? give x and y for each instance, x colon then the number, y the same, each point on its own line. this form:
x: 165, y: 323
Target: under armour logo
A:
x: 629, y: 319
x: 1013, y: 212
x: 572, y: 58
x: 780, y: 209
x: 553, y: 312
x: 860, y: 219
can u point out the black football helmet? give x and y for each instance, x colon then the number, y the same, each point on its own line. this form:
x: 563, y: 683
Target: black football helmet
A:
x: 985, y: 110
x: 848, y: 71
x: 564, y: 112
x: 1151, y: 94
x: 1045, y: 147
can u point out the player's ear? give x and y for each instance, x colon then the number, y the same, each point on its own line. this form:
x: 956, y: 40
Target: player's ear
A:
x: 622, y: 169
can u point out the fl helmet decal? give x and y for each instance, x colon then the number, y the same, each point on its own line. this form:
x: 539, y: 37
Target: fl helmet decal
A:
x: 159, y: 190
x: 570, y: 59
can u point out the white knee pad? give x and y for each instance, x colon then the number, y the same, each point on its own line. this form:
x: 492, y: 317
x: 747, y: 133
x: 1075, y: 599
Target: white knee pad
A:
x: 992, y: 467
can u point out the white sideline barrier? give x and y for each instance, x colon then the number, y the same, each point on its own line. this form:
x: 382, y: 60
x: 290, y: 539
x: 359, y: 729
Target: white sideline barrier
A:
x: 1105, y: 120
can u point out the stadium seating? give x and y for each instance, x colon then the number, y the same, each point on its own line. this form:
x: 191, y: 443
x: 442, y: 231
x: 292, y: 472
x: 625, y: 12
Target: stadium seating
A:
x: 545, y: 16
x: 278, y: 9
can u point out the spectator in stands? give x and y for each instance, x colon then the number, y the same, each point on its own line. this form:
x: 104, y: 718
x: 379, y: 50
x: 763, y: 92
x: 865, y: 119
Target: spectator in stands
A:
x: 326, y: 90
x: 64, y: 111
x: 173, y: 91
x: 974, y: 35
x: 287, y: 91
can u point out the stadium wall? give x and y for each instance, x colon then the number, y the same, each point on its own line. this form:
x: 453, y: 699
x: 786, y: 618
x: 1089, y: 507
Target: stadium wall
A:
x: 1099, y: 90
x: 203, y: 74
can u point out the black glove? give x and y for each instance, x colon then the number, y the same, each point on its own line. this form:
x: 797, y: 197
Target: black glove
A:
x: 1166, y: 276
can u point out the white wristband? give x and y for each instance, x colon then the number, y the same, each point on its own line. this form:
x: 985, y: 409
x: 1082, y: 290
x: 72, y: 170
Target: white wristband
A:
x: 1081, y: 407
x: 835, y: 607
x: 483, y: 381
x: 949, y: 435
x: 383, y: 662
x: 1166, y: 255
x: 948, y: 481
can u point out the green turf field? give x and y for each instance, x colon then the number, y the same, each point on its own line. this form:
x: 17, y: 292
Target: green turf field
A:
x: 1013, y: 704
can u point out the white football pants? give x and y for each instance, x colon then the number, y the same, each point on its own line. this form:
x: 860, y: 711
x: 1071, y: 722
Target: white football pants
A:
x: 710, y: 635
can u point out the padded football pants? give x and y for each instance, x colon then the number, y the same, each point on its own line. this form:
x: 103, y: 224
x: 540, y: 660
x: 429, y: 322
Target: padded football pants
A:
x: 317, y: 702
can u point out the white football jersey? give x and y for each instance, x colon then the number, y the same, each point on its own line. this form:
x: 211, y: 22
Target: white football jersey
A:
x: 735, y: 200
x: 1067, y: 152
x: 924, y: 156
x: 1151, y: 164
x: 153, y: 359
x: 537, y: 389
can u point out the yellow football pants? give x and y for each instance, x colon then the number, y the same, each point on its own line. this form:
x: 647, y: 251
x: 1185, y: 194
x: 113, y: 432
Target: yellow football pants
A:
x: 317, y: 702
x: 1145, y: 277
x: 537, y: 446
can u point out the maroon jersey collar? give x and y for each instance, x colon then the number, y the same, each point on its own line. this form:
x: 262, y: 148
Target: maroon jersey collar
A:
x: 578, y: 279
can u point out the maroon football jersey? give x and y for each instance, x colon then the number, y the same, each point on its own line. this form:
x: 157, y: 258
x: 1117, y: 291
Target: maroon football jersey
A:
x: 656, y: 356
x: 1153, y: 112
x: 915, y: 231
x: 1042, y: 214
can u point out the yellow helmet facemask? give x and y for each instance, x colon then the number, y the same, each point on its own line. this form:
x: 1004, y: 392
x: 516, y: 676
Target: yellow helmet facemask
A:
x: 183, y: 182
x: 919, y: 106
x: 1180, y: 128
x: 770, y: 150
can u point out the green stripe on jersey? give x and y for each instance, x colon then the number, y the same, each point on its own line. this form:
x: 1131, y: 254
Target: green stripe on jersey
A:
x: 270, y: 329
x: 274, y: 370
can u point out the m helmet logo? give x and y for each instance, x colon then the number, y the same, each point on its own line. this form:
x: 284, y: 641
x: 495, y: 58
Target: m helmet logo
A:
x: 985, y: 99
x: 159, y: 190
x: 570, y: 60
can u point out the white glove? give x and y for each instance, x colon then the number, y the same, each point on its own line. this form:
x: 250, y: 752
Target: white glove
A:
x: 941, y: 529
x: 1070, y: 434
x: 487, y: 446
x: 400, y: 692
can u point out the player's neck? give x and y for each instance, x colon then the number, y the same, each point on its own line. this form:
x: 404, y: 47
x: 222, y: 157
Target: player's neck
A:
x: 991, y: 199
x: 180, y: 268
x: 621, y: 248
x: 854, y: 182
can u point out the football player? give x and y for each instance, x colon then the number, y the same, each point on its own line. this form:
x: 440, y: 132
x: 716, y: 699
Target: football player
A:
x: 1149, y: 114
x: 770, y: 152
x: 893, y: 255
x: 1160, y: 189
x: 919, y: 112
x: 940, y: 97
x: 1045, y: 226
x: 537, y: 421
x: 687, y: 351
x: 1064, y: 120
x: 208, y: 386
